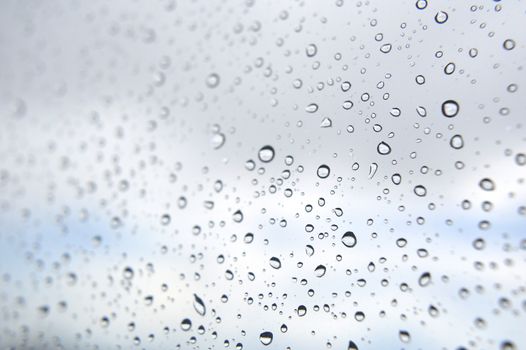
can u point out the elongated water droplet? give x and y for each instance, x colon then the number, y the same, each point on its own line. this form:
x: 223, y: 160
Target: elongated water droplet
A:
x: 199, y: 305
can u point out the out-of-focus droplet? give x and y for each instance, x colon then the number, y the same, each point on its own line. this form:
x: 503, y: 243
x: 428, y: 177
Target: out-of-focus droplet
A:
x: 212, y: 80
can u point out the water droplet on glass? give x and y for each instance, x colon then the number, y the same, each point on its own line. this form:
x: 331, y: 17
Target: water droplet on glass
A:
x: 487, y: 184
x: 349, y: 239
x: 326, y: 123
x: 456, y: 142
x: 320, y: 270
x: 266, y: 338
x: 385, y: 48
x: 312, y: 108
x: 441, y: 17
x: 425, y: 279
x: 373, y: 167
x: 275, y: 263
x: 323, y: 171
x: 420, y: 191
x: 450, y: 108
x: 217, y: 140
x: 404, y: 336
x: 266, y: 154
x: 212, y: 80
x: 383, y: 148
x: 199, y: 305
x: 311, y: 50
x: 508, y: 44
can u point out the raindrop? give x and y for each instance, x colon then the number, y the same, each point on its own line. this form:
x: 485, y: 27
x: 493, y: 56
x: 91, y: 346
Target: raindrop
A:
x: 275, y: 263
x: 186, y: 324
x: 487, y: 184
x: 441, y: 17
x: 323, y: 171
x: 373, y: 167
x: 508, y: 44
x: 266, y: 338
x: 199, y: 305
x: 425, y: 279
x: 383, y: 148
x: 449, y: 68
x: 450, y: 108
x: 421, y: 4
x: 312, y: 108
x: 212, y: 80
x: 266, y: 154
x: 237, y: 216
x: 420, y: 191
x: 396, y: 178
x: 349, y: 239
x: 352, y: 346
x: 386, y: 48
x: 456, y: 142
x: 326, y: 123
x: 217, y: 140
x: 320, y: 270
x: 302, y: 310
x: 311, y: 50
x: 404, y: 336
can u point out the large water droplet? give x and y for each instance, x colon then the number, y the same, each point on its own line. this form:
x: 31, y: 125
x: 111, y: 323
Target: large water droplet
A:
x: 441, y: 17
x: 266, y: 154
x: 383, y: 148
x: 266, y: 338
x: 320, y: 270
x: 312, y: 108
x: 450, y: 108
x: 275, y: 262
x: 456, y: 142
x: 349, y: 239
x: 323, y: 171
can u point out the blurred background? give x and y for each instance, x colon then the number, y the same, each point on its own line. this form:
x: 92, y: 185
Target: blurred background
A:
x: 248, y: 174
